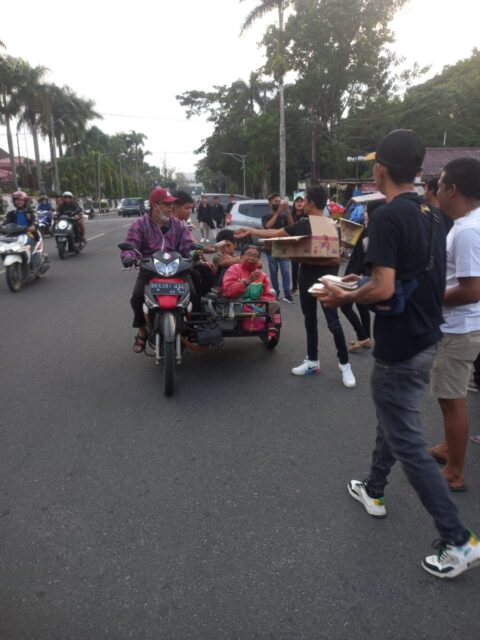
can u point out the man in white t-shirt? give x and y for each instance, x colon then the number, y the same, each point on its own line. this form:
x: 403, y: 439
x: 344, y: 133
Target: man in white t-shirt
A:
x: 459, y: 197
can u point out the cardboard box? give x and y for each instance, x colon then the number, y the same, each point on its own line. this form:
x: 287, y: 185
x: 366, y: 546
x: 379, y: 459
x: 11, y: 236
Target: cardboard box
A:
x: 323, y: 243
x: 350, y: 232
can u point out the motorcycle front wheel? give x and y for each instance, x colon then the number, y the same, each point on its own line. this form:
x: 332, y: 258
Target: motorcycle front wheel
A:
x: 168, y: 367
x: 13, y: 274
x: 62, y: 250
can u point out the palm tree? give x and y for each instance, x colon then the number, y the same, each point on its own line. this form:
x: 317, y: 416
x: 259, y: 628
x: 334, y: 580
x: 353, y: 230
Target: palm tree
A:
x: 13, y: 72
x: 264, y: 7
x: 33, y: 102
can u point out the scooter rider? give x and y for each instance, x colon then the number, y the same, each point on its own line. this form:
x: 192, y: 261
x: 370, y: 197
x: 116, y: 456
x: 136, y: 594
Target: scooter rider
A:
x: 21, y: 215
x: 156, y: 230
x: 71, y: 208
x: 45, y: 208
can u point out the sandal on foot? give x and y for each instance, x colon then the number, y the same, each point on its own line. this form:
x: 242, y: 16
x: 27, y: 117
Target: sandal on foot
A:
x: 458, y: 489
x: 139, y: 344
x: 438, y: 458
x: 356, y: 345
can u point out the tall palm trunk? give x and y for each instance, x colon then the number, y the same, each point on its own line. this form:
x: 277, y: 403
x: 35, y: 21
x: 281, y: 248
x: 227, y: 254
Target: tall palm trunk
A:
x: 38, y: 164
x: 53, y: 155
x: 11, y: 149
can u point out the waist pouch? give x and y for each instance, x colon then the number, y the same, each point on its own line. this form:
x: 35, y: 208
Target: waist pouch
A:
x: 395, y: 305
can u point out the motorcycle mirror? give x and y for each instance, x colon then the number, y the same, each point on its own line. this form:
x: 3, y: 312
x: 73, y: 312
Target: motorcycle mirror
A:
x: 126, y: 246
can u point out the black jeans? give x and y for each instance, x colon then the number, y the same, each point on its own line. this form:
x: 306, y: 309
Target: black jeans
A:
x: 397, y: 389
x: 295, y: 269
x: 476, y: 371
x: 361, y: 325
x: 309, y: 306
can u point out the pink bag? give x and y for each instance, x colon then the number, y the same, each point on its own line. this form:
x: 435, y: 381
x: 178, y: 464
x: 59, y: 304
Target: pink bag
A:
x: 253, y: 322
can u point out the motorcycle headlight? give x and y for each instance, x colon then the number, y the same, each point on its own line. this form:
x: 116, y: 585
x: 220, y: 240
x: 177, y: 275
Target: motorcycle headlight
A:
x: 62, y: 224
x: 166, y: 269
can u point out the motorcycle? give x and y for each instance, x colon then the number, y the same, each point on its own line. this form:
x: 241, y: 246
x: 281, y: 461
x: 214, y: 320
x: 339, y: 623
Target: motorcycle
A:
x: 22, y: 262
x: 90, y: 212
x: 172, y: 325
x: 67, y: 237
x: 45, y: 223
x: 167, y: 300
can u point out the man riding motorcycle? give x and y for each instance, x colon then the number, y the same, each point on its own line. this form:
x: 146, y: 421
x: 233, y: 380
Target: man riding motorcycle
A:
x: 21, y: 215
x: 157, y: 230
x: 71, y: 208
x: 45, y: 211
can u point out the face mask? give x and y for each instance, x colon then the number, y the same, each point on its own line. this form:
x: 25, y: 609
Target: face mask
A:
x: 163, y: 217
x: 250, y: 266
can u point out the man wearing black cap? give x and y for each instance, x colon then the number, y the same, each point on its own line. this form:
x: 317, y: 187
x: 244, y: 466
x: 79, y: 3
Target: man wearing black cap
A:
x: 406, y: 256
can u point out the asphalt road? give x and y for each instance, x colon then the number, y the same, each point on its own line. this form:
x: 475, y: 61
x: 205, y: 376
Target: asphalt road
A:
x: 219, y: 513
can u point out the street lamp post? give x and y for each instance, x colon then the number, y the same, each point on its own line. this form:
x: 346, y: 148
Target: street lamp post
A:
x: 239, y: 157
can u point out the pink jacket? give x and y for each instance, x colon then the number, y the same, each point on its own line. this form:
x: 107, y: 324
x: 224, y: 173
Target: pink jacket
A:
x: 232, y: 288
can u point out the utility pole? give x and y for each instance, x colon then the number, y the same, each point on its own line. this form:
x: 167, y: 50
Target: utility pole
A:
x: 99, y: 192
x: 239, y: 157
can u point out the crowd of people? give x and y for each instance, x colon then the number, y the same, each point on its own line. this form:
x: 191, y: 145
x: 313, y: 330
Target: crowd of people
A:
x: 424, y: 289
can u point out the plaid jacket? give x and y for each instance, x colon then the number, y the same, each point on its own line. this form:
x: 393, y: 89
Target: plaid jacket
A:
x: 148, y: 238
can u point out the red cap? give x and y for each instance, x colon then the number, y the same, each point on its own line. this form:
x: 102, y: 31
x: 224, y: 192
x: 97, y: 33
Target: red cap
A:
x: 161, y: 195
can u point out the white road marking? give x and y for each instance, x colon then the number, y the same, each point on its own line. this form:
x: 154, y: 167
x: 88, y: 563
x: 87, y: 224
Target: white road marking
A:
x: 99, y: 236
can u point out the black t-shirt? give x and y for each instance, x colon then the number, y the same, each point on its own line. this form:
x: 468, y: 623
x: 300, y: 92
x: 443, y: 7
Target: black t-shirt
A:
x: 309, y: 273
x: 399, y: 238
x: 280, y: 223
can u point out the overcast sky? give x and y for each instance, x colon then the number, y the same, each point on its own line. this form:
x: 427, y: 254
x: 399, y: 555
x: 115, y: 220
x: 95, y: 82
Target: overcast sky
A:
x: 133, y: 58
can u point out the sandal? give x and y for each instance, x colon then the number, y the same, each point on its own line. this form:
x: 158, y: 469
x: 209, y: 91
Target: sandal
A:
x: 356, y: 345
x: 139, y: 344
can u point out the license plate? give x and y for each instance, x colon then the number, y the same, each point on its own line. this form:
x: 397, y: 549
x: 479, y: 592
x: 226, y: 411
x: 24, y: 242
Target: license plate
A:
x: 167, y: 288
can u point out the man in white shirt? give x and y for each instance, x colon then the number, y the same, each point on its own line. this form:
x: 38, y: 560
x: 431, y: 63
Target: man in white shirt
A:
x: 459, y: 197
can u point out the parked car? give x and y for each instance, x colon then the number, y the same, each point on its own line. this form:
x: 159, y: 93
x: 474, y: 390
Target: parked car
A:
x: 248, y: 213
x: 131, y: 207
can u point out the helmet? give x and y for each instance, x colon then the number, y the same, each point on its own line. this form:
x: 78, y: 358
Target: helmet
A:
x: 42, y: 197
x: 67, y: 194
x: 19, y: 194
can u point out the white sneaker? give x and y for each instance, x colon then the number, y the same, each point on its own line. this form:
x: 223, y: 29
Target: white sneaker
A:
x: 348, y: 378
x: 307, y: 368
x: 373, y: 506
x: 450, y: 560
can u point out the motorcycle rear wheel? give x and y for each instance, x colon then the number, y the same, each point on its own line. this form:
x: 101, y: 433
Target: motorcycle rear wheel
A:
x: 271, y: 342
x: 168, y: 367
x: 13, y: 274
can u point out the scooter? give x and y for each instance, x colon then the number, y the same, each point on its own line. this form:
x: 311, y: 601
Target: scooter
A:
x: 22, y: 262
x: 45, y: 223
x: 66, y: 234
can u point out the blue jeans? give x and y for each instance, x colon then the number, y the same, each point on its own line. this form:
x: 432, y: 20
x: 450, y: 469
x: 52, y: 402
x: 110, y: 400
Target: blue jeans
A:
x: 273, y: 264
x: 397, y: 389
